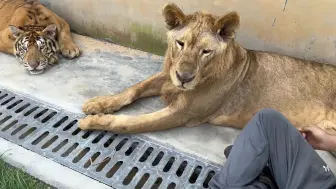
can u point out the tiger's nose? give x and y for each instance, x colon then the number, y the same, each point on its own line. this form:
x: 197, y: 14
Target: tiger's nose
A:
x: 34, y: 65
x: 185, y: 77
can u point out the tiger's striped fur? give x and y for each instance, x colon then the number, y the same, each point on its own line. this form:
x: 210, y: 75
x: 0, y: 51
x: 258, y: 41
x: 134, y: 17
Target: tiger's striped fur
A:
x: 32, y: 40
x: 34, y: 34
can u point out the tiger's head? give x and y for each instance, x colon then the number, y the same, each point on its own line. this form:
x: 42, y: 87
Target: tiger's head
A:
x: 35, y: 46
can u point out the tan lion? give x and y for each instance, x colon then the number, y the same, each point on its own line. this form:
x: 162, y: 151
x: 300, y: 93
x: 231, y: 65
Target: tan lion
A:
x: 208, y: 77
x: 34, y: 34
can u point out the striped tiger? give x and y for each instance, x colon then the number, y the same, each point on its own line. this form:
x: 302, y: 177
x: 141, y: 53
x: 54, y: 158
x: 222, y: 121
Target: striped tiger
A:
x: 36, y: 47
x: 34, y: 34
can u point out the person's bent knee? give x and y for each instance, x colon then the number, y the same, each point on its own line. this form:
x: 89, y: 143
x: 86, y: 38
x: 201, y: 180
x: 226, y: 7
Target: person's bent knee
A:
x: 268, y: 117
x: 268, y: 112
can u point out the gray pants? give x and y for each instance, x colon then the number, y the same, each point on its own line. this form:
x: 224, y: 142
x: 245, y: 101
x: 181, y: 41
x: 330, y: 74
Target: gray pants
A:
x: 269, y: 138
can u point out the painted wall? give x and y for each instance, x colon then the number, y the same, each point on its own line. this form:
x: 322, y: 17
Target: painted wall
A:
x: 300, y: 28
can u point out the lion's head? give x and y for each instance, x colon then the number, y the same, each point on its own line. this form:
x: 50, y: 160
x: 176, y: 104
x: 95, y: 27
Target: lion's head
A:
x: 196, y: 43
x: 35, y: 46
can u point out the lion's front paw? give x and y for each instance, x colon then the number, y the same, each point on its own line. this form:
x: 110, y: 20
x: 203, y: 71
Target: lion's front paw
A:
x: 69, y: 50
x: 97, y: 122
x: 95, y: 105
x: 85, y: 123
x: 102, y: 104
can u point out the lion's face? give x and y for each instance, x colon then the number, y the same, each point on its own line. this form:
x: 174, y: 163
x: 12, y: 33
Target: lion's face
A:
x: 36, y: 49
x: 195, y: 43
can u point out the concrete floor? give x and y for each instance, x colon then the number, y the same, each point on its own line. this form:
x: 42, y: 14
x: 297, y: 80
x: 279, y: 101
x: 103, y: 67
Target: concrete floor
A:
x: 104, y: 69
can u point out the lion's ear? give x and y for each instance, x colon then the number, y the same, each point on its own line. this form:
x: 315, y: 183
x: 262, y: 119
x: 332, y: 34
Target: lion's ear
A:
x: 227, y: 25
x: 173, y: 16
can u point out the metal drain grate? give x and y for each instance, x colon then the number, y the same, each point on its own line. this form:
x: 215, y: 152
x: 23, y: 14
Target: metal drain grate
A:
x: 120, y: 161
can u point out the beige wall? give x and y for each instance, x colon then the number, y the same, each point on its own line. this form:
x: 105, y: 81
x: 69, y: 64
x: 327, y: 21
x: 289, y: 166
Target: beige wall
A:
x: 305, y: 28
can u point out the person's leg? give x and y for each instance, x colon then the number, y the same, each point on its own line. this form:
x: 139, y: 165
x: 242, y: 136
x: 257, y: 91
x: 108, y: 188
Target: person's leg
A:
x: 270, y: 138
x: 266, y: 174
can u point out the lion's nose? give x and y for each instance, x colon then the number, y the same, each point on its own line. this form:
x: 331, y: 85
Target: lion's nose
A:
x: 185, y: 77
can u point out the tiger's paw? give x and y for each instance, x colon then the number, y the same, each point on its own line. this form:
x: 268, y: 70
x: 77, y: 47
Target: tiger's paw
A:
x: 69, y: 50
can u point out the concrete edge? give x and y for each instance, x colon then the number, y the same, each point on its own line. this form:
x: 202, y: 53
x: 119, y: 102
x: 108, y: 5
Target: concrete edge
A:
x: 45, y: 169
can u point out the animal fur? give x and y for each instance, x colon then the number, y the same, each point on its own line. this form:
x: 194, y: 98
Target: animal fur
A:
x: 29, y: 31
x: 209, y: 77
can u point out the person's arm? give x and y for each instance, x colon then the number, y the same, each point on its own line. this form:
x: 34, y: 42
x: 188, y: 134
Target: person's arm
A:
x: 319, y: 139
x: 330, y: 143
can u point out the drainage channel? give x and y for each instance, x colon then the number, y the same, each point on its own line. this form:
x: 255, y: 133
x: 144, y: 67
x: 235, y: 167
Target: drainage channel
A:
x: 120, y: 161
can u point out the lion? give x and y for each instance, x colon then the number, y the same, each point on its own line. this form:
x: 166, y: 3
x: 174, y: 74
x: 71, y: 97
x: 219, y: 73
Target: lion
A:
x: 209, y: 78
x: 34, y: 34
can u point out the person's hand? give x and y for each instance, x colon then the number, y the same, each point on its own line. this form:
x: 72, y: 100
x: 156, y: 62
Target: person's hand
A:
x: 318, y: 138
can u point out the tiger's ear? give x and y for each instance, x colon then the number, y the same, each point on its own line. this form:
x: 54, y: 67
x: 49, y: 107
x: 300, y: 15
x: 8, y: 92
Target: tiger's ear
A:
x: 15, y: 31
x: 50, y: 31
x: 173, y: 16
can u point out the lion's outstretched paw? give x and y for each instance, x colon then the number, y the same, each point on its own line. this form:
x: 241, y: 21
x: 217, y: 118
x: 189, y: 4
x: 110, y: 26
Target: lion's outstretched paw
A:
x: 102, y: 104
x: 69, y: 50
x: 94, y: 106
x: 97, y: 122
x: 85, y: 123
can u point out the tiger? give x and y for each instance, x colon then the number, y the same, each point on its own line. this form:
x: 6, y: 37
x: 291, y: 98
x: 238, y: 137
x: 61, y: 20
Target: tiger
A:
x: 34, y: 35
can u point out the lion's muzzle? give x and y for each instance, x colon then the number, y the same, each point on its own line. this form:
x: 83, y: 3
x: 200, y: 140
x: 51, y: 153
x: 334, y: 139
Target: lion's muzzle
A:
x: 185, y: 77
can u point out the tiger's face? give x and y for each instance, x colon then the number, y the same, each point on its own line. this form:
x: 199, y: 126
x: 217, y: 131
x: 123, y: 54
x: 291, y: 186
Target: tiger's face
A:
x: 35, y: 47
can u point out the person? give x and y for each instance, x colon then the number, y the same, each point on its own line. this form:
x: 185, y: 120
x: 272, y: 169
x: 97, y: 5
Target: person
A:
x: 271, y: 153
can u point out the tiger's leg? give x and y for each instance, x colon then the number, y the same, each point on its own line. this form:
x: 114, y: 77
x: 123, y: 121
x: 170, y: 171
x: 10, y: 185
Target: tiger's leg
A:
x: 6, y: 41
x: 6, y: 37
x: 67, y: 47
x: 154, y: 85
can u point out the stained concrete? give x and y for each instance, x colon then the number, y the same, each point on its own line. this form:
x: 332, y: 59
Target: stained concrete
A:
x: 104, y: 69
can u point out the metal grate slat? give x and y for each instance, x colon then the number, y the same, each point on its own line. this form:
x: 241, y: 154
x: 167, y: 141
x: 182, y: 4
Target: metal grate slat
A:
x: 120, y: 161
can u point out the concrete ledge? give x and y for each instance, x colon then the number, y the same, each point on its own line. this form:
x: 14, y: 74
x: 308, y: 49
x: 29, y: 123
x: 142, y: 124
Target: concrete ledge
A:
x: 45, y: 169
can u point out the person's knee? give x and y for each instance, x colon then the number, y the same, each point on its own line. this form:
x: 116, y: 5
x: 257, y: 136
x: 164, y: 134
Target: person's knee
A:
x: 268, y: 112
x: 267, y: 116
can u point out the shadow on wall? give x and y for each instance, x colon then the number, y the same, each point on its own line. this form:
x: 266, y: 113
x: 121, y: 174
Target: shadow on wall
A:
x: 109, y: 26
x: 139, y: 37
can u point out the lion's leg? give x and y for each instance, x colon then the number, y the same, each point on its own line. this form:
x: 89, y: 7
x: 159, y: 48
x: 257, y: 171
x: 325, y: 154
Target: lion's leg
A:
x: 239, y: 121
x: 161, y: 120
x: 328, y: 126
x: 154, y: 85
x: 234, y: 121
x: 67, y: 46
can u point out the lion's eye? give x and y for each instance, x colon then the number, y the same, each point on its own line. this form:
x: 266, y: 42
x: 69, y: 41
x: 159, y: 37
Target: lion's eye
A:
x: 180, y: 44
x: 206, y: 51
